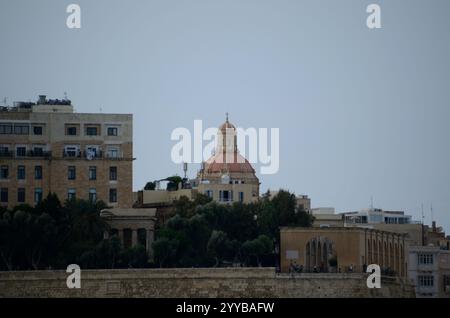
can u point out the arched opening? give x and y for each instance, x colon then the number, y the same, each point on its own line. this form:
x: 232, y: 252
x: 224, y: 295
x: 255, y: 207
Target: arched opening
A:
x: 319, y: 255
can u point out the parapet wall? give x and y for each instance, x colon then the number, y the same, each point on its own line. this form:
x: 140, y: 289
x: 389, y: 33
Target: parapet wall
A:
x: 199, y: 282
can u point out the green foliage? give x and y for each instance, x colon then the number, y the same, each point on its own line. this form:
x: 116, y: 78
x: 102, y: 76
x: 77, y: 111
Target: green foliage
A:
x: 165, y: 250
x: 134, y: 257
x: 217, y: 246
x: 257, y: 248
x: 206, y: 233
x: 202, y: 233
x: 173, y: 183
x: 52, y: 235
x: 150, y: 186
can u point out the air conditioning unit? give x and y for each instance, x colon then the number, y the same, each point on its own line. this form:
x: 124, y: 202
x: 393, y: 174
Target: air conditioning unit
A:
x: 447, y: 289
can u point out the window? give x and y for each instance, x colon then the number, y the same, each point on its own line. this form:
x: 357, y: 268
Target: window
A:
x: 91, y: 131
x: 241, y: 196
x: 71, y: 151
x: 112, y: 173
x: 4, y: 172
x: 37, y: 130
x: 112, y: 195
x: 425, y: 259
x: 71, y: 193
x: 71, y: 130
x: 20, y: 172
x: 446, y: 283
x: 71, y: 173
x: 209, y: 193
x: 21, y: 129
x: 21, y: 151
x: 92, y: 173
x: 113, y: 131
x: 113, y: 152
x: 37, y: 195
x: 92, y: 195
x: 5, y: 129
x: 21, y: 195
x: 4, y: 151
x: 426, y: 281
x: 4, y: 195
x: 38, y: 151
x: 92, y: 152
x: 38, y: 172
x: 226, y: 196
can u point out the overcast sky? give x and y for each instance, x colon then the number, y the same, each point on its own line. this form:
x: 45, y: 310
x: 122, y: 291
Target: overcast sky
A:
x: 361, y: 112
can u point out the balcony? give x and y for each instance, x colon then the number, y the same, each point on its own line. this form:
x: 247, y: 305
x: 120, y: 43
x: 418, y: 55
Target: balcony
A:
x: 38, y: 154
x: 114, y: 155
x: 71, y: 154
x: 6, y: 154
x: 26, y: 154
x: 89, y: 155
x: 93, y: 154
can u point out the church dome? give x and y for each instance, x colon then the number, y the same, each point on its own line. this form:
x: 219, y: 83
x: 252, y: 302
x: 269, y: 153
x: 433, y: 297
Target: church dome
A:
x: 227, y: 158
x: 236, y: 164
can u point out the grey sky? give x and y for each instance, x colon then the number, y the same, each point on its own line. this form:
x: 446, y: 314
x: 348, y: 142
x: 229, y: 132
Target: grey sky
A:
x: 361, y: 112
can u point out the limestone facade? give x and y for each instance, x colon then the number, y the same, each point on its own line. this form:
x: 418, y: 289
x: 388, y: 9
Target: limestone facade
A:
x: 198, y: 282
x: 49, y: 148
x: 317, y: 249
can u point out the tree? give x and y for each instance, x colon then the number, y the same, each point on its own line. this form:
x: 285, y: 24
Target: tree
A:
x: 173, y: 183
x: 150, y: 186
x: 134, y: 257
x: 86, y: 222
x: 257, y: 248
x: 164, y: 250
x: 217, y: 246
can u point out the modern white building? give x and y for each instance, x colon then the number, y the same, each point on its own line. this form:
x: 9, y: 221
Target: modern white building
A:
x: 376, y: 216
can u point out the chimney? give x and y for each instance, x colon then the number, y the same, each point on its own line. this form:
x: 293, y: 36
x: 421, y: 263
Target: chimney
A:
x: 42, y: 99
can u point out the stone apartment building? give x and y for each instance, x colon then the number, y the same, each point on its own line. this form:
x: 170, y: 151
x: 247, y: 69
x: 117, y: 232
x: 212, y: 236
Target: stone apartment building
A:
x: 429, y: 270
x: 47, y: 147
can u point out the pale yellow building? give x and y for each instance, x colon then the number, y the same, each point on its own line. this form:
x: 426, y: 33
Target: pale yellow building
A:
x: 342, y: 249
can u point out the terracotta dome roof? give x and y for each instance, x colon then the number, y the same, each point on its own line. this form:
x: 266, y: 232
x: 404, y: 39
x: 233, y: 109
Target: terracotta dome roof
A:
x: 216, y: 164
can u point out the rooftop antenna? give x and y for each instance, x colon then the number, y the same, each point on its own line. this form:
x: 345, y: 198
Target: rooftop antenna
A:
x: 423, y: 216
x: 5, y: 101
x: 432, y: 217
x: 423, y: 230
x: 371, y: 202
x: 226, y: 114
x: 65, y: 96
